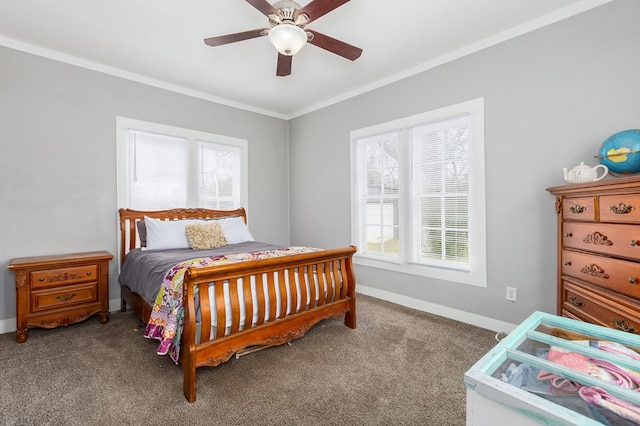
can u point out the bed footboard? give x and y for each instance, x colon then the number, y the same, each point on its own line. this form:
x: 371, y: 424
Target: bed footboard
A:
x: 281, y: 297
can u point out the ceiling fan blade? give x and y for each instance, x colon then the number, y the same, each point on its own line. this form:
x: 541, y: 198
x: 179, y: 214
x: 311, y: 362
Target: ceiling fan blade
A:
x: 284, y: 65
x: 232, y: 38
x: 318, y: 8
x: 335, y: 46
x: 263, y: 6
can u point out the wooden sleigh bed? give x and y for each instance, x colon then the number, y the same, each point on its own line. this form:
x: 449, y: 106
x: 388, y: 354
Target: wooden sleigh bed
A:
x: 313, y: 286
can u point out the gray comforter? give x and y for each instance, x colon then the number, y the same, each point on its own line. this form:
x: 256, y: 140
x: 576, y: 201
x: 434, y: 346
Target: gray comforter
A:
x: 144, y: 270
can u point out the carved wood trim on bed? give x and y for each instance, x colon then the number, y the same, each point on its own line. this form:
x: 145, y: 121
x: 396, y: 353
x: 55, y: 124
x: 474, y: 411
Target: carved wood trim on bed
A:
x: 331, y: 271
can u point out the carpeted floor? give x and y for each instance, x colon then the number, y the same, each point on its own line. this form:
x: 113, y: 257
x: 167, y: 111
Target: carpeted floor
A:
x: 400, y: 367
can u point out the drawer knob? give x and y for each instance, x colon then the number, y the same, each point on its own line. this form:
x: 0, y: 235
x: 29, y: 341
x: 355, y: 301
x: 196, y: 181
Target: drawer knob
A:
x: 622, y: 208
x: 632, y: 280
x: 568, y: 235
x: 66, y: 297
x: 577, y: 208
x: 89, y: 273
x: 633, y: 243
x: 41, y: 279
x: 623, y: 325
x: 567, y: 263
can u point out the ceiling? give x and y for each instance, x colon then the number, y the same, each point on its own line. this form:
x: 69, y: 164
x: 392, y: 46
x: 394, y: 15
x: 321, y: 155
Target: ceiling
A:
x: 160, y: 42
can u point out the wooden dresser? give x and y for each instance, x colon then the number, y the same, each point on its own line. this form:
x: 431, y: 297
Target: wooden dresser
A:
x: 599, y: 252
x: 59, y: 290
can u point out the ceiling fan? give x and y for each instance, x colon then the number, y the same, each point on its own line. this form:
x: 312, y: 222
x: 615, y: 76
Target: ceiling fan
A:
x: 287, y: 20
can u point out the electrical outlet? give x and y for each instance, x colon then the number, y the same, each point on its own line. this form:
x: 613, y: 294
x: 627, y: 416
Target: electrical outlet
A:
x: 512, y: 293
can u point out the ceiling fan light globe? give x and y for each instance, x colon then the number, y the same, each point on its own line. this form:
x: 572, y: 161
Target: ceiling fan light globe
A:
x: 288, y: 39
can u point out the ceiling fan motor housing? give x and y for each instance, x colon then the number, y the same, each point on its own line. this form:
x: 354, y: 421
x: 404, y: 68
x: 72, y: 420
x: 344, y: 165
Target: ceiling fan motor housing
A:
x: 287, y: 9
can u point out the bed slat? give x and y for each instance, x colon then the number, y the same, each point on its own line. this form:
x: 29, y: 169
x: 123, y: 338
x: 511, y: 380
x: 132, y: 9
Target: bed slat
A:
x: 261, y: 300
x: 221, y: 310
x: 248, y: 303
x: 235, y: 313
x: 205, y: 314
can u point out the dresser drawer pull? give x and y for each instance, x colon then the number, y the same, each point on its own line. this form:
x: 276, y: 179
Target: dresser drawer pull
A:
x: 576, y: 301
x: 622, y: 208
x: 632, y: 280
x: 66, y: 297
x: 568, y: 235
x: 577, y: 208
x: 41, y: 279
x: 624, y: 325
x: 598, y: 239
x: 594, y: 270
x: 89, y: 273
x: 633, y: 243
x: 567, y: 263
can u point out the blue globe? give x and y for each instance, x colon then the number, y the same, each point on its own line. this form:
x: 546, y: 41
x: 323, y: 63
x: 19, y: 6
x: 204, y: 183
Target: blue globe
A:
x: 621, y: 152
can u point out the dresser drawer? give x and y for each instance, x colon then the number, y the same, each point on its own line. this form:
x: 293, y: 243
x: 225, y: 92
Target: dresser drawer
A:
x: 59, y: 297
x: 617, y: 275
x: 63, y: 276
x: 582, y: 208
x: 611, y: 239
x: 620, y: 208
x: 597, y: 307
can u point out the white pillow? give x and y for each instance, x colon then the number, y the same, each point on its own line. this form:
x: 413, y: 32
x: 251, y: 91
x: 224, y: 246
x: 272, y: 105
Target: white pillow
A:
x: 235, y: 230
x: 167, y: 234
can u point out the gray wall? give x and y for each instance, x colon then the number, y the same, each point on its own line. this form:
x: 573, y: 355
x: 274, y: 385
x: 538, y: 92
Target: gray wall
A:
x: 551, y: 97
x: 58, y: 159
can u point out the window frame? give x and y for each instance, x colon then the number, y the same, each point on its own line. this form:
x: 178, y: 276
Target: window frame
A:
x: 476, y: 274
x: 193, y: 137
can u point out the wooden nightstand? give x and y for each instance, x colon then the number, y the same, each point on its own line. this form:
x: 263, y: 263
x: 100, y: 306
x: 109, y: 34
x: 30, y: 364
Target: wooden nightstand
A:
x: 59, y: 290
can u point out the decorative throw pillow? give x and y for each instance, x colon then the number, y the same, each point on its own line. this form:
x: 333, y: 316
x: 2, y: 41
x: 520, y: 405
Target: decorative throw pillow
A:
x: 205, y: 235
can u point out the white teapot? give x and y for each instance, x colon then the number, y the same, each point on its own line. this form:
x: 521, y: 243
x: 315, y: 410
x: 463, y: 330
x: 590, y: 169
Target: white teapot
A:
x: 583, y: 173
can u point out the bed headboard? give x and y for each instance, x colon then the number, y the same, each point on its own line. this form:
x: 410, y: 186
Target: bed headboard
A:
x: 129, y: 238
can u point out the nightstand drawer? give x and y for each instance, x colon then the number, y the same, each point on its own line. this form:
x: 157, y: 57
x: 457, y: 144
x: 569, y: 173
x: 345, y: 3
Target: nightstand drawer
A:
x: 58, y: 297
x: 63, y: 276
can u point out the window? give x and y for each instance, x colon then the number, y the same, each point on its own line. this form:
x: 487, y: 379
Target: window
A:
x: 163, y: 167
x: 418, y: 194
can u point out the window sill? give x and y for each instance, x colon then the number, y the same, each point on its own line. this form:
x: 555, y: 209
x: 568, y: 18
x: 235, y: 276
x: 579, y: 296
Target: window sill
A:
x: 478, y: 279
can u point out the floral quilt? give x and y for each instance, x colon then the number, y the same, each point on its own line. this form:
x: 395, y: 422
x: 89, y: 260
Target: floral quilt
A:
x: 166, y: 320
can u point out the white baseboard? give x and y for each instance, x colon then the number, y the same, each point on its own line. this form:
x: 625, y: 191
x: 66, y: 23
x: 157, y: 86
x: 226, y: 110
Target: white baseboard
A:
x: 432, y: 308
x: 9, y: 325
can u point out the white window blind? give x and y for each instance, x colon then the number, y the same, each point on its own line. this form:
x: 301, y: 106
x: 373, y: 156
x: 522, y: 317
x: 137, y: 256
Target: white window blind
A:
x: 381, y: 195
x: 157, y: 171
x: 440, y: 188
x: 219, y: 176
